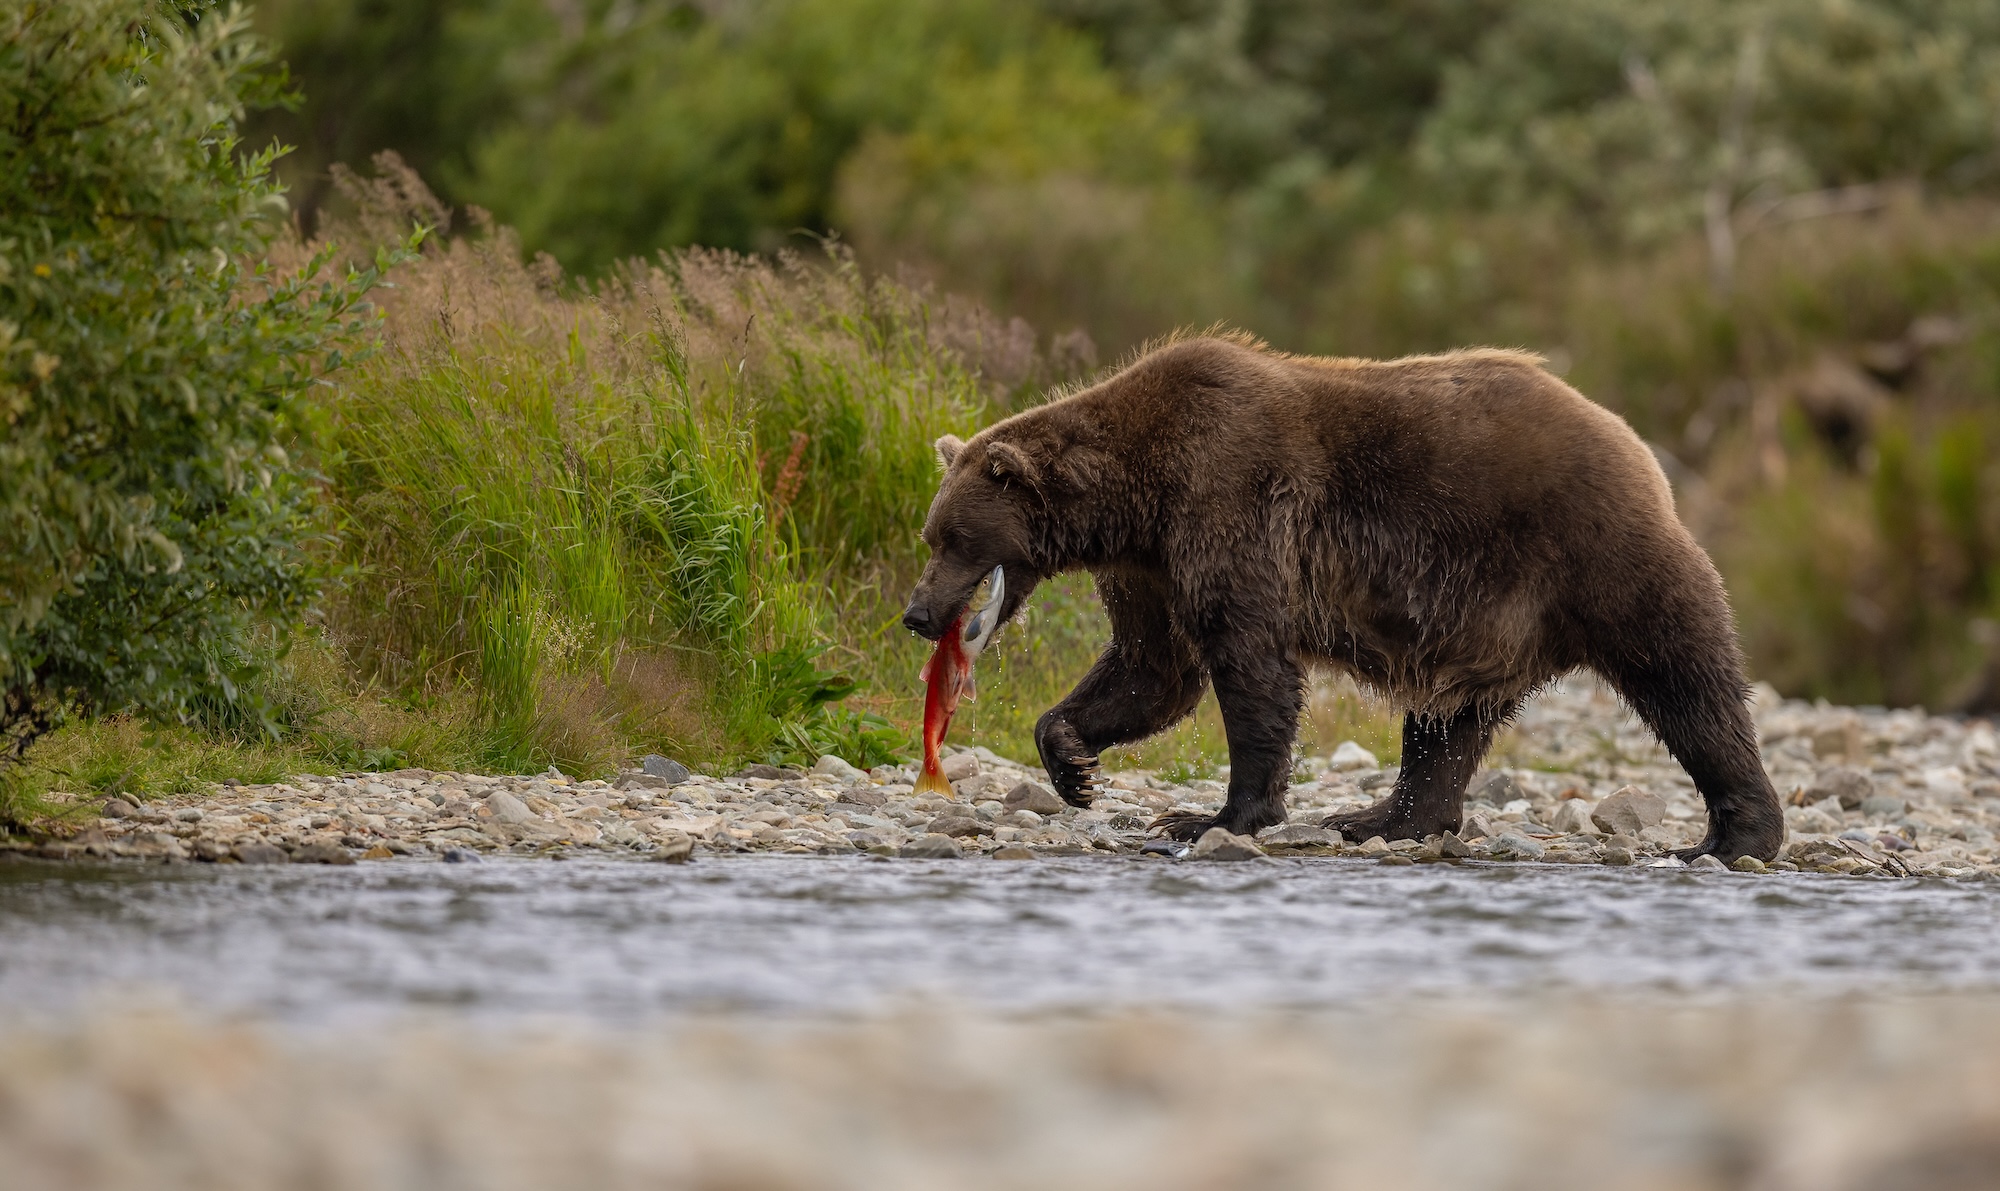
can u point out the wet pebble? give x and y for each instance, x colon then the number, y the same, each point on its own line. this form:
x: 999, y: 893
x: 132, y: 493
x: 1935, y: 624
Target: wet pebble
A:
x: 1218, y: 844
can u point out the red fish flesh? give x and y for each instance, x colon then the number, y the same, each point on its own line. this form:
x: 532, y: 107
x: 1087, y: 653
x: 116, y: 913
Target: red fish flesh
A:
x: 947, y: 676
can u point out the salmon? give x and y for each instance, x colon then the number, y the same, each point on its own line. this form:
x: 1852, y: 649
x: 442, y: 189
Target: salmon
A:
x: 947, y: 676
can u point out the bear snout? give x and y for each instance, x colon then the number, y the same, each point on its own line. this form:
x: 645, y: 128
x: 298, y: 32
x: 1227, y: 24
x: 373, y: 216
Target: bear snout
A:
x: 917, y: 618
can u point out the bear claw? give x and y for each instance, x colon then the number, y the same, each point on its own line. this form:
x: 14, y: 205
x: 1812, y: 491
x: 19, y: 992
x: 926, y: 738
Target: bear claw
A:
x: 1357, y: 826
x: 1185, y: 826
x: 1072, y: 771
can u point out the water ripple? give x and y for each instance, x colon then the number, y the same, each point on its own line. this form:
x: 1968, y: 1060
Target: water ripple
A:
x: 617, y: 940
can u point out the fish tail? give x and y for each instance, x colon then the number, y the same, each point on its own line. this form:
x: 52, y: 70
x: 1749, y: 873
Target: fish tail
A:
x: 932, y: 782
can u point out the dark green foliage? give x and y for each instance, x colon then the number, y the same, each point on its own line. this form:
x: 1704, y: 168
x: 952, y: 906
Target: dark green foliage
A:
x: 151, y: 514
x: 1284, y: 85
x: 1629, y: 112
x: 427, y: 78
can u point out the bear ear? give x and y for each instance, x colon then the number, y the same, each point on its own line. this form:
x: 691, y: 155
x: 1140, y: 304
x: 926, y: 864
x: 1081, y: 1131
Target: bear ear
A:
x: 948, y: 448
x: 1009, y: 462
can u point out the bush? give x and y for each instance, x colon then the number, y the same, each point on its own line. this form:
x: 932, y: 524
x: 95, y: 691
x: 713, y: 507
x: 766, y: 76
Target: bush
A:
x: 151, y: 504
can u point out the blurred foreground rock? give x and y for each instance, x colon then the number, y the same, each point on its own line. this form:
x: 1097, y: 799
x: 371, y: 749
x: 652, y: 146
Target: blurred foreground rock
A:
x: 1556, y: 1095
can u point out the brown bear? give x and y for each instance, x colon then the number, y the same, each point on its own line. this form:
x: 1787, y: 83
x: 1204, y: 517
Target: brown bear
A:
x: 1455, y: 531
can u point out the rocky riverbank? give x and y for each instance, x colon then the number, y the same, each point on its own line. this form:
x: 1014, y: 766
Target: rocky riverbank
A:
x: 1576, y: 781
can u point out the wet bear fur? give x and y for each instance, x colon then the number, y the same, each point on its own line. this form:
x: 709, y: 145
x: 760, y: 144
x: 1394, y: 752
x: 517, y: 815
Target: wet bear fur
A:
x: 1454, y: 531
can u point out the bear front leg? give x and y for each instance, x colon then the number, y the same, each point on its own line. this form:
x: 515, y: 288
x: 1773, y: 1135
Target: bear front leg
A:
x: 1440, y: 754
x: 1147, y: 680
x: 1261, y: 690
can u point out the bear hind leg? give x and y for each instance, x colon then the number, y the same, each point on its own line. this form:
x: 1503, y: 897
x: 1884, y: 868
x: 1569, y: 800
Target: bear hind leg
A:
x: 1440, y: 754
x: 1699, y: 714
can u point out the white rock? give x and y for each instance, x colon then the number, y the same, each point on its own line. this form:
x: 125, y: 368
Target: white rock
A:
x: 508, y: 809
x: 1572, y: 816
x: 1629, y: 811
x: 1217, y: 844
x: 1350, y: 756
x: 960, y: 766
x: 834, y: 767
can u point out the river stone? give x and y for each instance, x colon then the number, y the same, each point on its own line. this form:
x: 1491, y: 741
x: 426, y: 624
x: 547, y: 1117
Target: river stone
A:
x: 959, y: 766
x: 256, y: 853
x: 1351, y: 756
x: 1218, y: 844
x: 1748, y: 864
x: 1452, y: 847
x: 1297, y: 835
x: 1617, y: 857
x: 933, y: 846
x: 322, y: 854
x: 210, y: 849
x: 1495, y: 786
x: 958, y: 824
x: 1514, y: 845
x: 1029, y: 796
x: 1708, y: 864
x: 1884, y: 806
x: 1013, y: 852
x: 657, y: 766
x: 881, y: 841
x: 867, y: 796
x: 676, y: 850
x: 1847, y: 783
x: 1629, y: 811
x: 839, y: 770
x: 1477, y: 826
x: 1375, y: 847
x: 118, y: 808
x: 508, y: 809
x: 1571, y: 816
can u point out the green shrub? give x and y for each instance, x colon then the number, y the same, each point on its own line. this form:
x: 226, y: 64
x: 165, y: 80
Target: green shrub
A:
x: 151, y: 502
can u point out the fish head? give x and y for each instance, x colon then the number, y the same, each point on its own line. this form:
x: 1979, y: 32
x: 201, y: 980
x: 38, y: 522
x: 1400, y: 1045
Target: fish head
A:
x: 978, y: 530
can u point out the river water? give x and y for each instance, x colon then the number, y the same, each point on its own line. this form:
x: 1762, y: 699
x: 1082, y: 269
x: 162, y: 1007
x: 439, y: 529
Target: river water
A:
x: 616, y: 941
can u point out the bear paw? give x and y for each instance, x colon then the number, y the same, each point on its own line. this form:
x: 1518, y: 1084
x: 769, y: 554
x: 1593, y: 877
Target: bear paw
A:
x: 1386, y: 819
x: 1185, y: 826
x: 1727, y: 850
x: 1071, y: 766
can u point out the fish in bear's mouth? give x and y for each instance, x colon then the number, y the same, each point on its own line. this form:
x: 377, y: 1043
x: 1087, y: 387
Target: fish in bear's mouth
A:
x: 948, y: 674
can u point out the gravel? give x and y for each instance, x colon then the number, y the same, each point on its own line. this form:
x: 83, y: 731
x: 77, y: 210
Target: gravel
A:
x: 1577, y: 780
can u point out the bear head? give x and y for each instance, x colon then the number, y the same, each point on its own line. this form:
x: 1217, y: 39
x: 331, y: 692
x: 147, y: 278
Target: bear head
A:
x: 983, y: 516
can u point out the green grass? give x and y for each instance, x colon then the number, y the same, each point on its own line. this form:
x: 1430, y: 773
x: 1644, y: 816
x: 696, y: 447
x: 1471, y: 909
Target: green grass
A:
x: 326, y: 724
